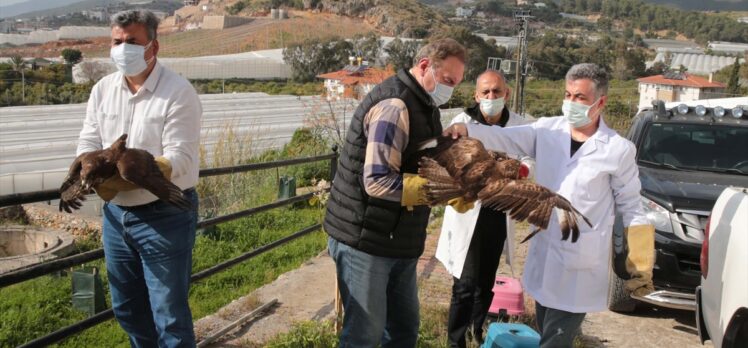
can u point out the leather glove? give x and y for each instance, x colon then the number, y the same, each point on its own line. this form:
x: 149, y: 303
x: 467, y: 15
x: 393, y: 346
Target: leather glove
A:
x: 460, y: 205
x: 413, y: 191
x: 640, y: 260
x: 110, y: 187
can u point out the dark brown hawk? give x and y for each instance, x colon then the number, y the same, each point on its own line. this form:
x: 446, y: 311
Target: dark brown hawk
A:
x: 135, y: 166
x: 464, y: 168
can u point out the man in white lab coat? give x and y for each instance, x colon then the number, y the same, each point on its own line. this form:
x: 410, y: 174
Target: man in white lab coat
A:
x: 471, y: 240
x: 581, y: 158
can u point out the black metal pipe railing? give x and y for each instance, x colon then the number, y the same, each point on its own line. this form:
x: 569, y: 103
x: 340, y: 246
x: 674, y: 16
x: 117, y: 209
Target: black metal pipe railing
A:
x: 244, y: 257
x: 28, y: 197
x: 103, y: 316
x: 265, y: 165
x: 48, y: 195
x: 45, y: 268
x: 252, y: 211
x: 63, y: 263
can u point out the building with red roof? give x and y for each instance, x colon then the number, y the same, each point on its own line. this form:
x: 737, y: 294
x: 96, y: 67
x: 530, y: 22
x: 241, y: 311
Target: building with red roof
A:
x: 674, y: 86
x: 354, y: 81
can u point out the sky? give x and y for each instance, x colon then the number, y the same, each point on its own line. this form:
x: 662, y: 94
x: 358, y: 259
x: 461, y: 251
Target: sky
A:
x: 10, y: 2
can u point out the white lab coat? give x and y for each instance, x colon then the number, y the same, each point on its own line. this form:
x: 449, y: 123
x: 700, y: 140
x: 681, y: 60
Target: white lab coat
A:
x: 457, y: 229
x: 601, y: 177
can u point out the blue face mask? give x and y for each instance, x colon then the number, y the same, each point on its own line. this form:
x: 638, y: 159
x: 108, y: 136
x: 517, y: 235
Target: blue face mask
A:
x: 129, y: 58
x: 491, y: 107
x: 577, y: 114
x: 441, y: 92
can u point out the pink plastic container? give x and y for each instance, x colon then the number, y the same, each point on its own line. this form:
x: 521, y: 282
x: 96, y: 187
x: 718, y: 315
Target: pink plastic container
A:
x: 508, y: 295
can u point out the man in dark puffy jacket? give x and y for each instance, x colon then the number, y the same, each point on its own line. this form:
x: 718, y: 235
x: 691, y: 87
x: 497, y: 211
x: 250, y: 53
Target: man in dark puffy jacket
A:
x: 376, y: 216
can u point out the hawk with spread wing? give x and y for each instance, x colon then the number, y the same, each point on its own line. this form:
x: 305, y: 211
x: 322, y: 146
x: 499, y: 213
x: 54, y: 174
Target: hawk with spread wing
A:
x: 464, y: 168
x: 134, y: 166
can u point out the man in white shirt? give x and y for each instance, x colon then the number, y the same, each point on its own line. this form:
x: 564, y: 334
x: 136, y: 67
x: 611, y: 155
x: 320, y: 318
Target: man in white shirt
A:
x: 147, y: 242
x: 471, y: 241
x: 581, y: 158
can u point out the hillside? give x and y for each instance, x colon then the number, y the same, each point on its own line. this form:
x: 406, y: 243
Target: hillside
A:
x: 69, y: 6
x: 31, y: 6
x: 261, y: 34
x: 406, y: 18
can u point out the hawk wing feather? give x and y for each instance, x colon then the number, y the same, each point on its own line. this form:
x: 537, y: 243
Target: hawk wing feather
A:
x: 464, y: 168
x: 140, y: 168
x: 71, y: 190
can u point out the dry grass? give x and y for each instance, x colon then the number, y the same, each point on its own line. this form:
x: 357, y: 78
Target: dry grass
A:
x: 245, y: 305
x: 261, y: 34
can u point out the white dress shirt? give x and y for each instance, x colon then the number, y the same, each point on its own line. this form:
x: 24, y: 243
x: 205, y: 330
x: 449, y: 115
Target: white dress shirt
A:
x: 163, y: 118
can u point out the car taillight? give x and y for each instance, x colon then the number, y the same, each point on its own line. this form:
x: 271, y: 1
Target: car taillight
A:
x: 705, y: 249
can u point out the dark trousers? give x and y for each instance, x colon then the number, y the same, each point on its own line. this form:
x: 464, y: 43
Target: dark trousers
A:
x: 472, y: 292
x: 557, y: 328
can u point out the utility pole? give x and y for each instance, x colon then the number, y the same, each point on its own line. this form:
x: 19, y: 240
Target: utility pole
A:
x: 522, y: 19
x: 23, y: 86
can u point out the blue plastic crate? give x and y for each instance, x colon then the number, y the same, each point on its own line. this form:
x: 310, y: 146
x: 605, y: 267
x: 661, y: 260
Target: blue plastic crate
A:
x: 511, y: 335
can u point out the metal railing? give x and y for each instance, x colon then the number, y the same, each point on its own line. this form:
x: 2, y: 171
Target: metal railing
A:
x: 45, y: 268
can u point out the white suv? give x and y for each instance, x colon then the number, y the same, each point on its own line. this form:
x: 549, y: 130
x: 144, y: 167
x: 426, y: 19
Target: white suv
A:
x: 722, y: 298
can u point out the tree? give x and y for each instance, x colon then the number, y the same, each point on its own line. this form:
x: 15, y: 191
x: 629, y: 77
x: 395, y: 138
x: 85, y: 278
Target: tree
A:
x: 314, y: 57
x: 92, y: 71
x: 400, y: 54
x: 732, y: 85
x: 367, y: 47
x: 72, y: 56
x: 329, y: 119
x: 658, y: 68
x: 19, y: 65
x: 478, y: 50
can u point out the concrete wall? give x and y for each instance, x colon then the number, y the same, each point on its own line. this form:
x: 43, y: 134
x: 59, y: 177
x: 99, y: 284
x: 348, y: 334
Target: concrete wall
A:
x: 223, y: 22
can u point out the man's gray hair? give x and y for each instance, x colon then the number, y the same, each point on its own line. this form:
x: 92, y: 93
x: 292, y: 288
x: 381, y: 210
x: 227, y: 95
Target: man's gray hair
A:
x: 146, y: 18
x: 593, y: 72
x: 491, y: 71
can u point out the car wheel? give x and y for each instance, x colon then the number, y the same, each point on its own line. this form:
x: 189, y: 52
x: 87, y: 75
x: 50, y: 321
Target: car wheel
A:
x: 736, y: 333
x: 619, y: 299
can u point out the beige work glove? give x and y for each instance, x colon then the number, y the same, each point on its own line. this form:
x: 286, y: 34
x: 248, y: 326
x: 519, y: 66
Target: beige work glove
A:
x: 460, y: 205
x: 110, y: 187
x: 414, y: 192
x: 640, y: 260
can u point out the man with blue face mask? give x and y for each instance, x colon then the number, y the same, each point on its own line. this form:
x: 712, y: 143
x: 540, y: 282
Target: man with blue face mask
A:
x: 377, y: 214
x: 472, y: 239
x: 578, y: 156
x: 147, y: 242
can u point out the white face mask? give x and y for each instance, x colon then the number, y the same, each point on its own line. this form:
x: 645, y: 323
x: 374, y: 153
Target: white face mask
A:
x: 577, y: 114
x: 491, y: 107
x: 130, y: 58
x: 441, y: 92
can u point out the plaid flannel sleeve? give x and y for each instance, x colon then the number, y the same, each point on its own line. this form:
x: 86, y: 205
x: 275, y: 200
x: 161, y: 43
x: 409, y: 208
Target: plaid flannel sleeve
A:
x: 386, y: 128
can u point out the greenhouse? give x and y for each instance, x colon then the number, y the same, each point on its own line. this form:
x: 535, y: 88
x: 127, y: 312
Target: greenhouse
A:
x: 43, y: 36
x: 257, y: 65
x: 700, y: 64
x: 38, y: 143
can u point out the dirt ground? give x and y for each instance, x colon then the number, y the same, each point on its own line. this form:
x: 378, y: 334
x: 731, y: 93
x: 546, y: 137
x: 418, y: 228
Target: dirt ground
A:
x: 307, y: 293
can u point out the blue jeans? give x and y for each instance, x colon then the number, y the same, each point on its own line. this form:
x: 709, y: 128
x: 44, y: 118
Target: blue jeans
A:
x: 148, y: 252
x: 380, y: 298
